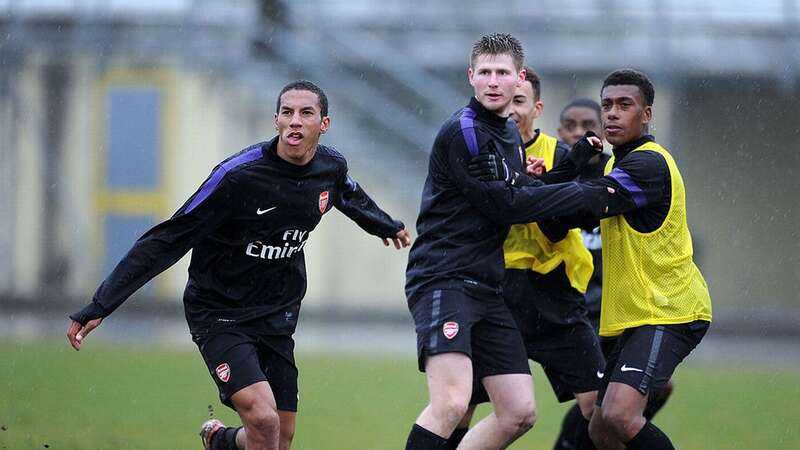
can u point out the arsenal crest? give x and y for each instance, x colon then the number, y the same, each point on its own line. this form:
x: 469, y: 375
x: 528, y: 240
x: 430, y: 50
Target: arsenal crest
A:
x: 224, y: 372
x: 450, y: 329
x: 323, y: 202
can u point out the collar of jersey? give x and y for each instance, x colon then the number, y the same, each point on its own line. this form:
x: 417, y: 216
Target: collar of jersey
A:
x: 622, y: 150
x: 270, y: 151
x: 486, y: 116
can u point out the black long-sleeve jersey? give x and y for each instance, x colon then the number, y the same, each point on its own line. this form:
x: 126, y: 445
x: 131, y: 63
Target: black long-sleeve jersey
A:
x: 247, y: 225
x: 463, y: 221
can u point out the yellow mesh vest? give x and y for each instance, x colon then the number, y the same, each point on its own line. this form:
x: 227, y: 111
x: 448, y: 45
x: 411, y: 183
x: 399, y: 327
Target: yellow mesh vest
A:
x: 650, y: 278
x: 526, y: 247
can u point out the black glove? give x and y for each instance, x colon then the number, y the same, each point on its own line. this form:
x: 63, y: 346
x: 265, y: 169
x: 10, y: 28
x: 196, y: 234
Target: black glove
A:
x: 582, y: 151
x: 490, y: 167
x: 89, y: 312
x: 554, y: 230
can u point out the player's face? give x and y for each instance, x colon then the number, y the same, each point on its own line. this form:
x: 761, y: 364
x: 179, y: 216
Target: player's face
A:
x: 299, y: 124
x: 625, y: 114
x: 576, y: 122
x: 524, y: 109
x: 495, y: 78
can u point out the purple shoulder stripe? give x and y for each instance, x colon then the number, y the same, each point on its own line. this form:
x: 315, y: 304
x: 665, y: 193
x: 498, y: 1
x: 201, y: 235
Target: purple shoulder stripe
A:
x: 213, y: 181
x: 627, y: 182
x: 467, y: 121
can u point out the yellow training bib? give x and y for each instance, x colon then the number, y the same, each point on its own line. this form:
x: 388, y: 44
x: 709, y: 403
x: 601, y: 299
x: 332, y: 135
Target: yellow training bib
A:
x: 526, y: 246
x: 650, y: 278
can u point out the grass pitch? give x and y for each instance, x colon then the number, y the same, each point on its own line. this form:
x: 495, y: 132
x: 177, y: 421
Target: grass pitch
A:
x: 147, y: 397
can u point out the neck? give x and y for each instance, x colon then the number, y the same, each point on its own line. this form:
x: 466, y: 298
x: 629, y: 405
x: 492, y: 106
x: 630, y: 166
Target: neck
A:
x: 528, y: 133
x: 503, y: 112
x: 305, y: 156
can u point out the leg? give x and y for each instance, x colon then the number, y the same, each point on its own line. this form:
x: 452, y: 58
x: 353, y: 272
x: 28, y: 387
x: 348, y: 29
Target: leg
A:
x: 233, y: 362
x: 585, y: 402
x: 658, y: 397
x: 277, y: 357
x: 572, y: 422
x: 256, y: 407
x: 449, y: 378
x: 467, y: 419
x: 514, y: 412
x: 287, y: 425
x: 288, y: 420
x: 645, y: 359
x: 622, y: 411
x: 444, y: 321
x: 600, y: 433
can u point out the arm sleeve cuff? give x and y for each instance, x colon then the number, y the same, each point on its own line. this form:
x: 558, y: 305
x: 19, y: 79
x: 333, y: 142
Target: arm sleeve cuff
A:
x: 89, y: 312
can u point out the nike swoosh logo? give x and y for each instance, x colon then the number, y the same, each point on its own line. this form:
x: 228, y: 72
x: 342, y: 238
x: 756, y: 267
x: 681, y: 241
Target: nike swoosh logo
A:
x: 625, y: 368
x: 260, y: 211
x: 600, y: 374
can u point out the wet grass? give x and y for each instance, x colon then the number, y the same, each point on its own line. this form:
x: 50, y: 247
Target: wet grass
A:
x: 144, y: 397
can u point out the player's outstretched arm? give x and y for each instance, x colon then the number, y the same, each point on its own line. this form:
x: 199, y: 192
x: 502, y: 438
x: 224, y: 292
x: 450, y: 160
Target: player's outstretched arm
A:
x: 356, y: 204
x: 514, y: 198
x: 159, y: 248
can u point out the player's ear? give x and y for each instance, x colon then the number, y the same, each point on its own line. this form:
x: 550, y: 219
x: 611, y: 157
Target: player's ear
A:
x: 521, y: 77
x: 470, y: 74
x: 325, y: 125
x: 538, y: 109
x: 275, y: 121
x: 647, y: 116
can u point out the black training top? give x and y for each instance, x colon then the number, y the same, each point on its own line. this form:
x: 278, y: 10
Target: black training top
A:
x: 462, y: 221
x: 248, y: 224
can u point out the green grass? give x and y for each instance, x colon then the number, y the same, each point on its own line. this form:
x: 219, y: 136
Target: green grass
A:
x: 143, y: 397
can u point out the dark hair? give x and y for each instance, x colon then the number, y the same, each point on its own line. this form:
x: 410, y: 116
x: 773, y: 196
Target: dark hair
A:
x: 303, y: 85
x: 498, y: 44
x: 582, y: 102
x: 532, y: 78
x: 633, y: 78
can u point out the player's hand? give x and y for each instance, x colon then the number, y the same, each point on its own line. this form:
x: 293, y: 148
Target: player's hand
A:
x: 78, y: 332
x: 586, y: 148
x: 490, y: 167
x: 535, y: 166
x: 402, y: 239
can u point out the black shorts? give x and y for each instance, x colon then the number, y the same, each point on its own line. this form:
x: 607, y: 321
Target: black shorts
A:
x: 645, y: 357
x: 479, y: 326
x: 551, y: 316
x: 236, y: 360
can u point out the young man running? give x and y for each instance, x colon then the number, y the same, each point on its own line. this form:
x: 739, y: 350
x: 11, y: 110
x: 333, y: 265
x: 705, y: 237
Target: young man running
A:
x: 248, y: 224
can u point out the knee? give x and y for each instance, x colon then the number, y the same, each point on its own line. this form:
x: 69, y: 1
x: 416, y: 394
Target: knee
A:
x: 527, y: 419
x: 618, y: 420
x: 522, y: 417
x: 455, y: 408
x: 263, y: 420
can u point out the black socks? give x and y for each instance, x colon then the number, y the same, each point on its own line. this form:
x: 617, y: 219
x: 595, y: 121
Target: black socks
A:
x: 225, y: 439
x: 650, y: 438
x: 455, y: 438
x: 421, y: 439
